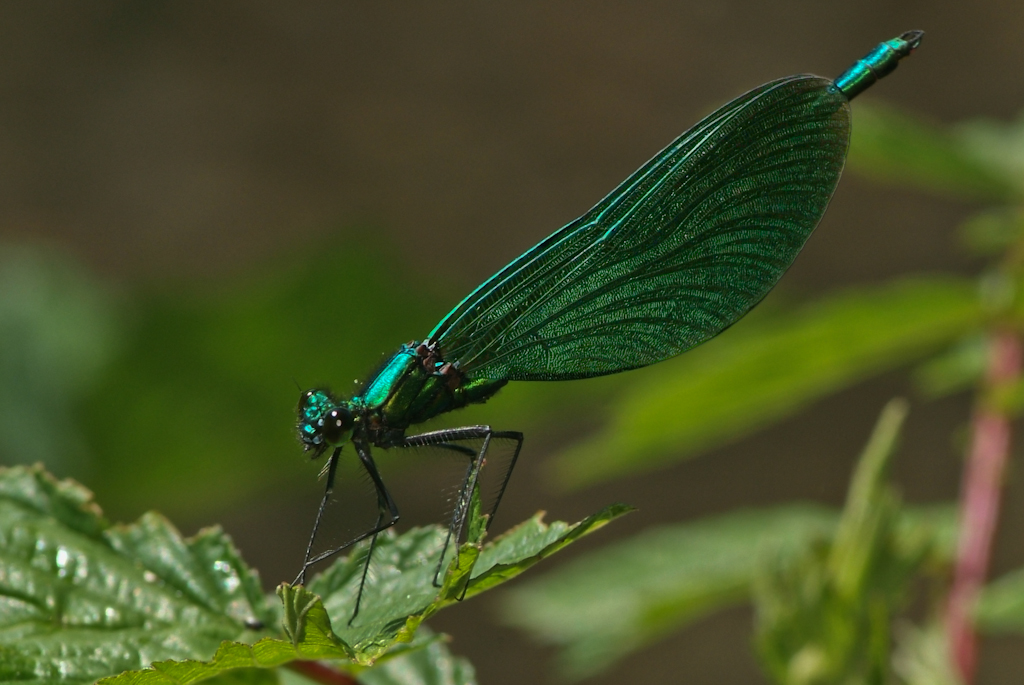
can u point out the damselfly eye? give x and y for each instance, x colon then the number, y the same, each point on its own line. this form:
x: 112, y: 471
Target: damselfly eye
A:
x: 336, y: 425
x: 322, y: 421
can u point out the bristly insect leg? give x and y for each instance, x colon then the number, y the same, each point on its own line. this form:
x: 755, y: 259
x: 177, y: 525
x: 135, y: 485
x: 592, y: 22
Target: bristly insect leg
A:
x: 446, y: 439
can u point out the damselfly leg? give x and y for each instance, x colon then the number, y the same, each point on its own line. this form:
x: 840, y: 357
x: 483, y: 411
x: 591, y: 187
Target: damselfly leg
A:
x: 387, y: 516
x: 449, y: 439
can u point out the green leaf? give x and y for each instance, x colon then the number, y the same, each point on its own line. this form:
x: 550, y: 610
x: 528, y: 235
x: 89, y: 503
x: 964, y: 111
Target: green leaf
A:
x: 761, y: 371
x: 956, y: 368
x: 247, y: 676
x: 80, y: 599
x: 400, y: 594
x: 615, y: 600
x: 309, y: 637
x: 895, y: 147
x: 427, y: 661
x: 307, y: 625
x: 824, y: 615
x: 933, y: 528
x: 863, y: 532
x: 994, y: 231
x: 230, y: 656
x: 997, y: 144
x: 433, y: 665
x: 922, y: 656
x: 530, y: 542
x: 1000, y: 609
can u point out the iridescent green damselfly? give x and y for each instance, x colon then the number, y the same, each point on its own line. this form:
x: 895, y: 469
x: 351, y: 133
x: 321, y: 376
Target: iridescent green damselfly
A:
x: 672, y: 257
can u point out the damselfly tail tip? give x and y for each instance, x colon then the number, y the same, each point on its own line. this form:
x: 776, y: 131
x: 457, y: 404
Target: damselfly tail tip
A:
x: 912, y: 38
x: 877, y: 64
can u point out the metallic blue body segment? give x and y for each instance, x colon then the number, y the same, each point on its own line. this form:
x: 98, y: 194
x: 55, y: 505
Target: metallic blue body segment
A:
x: 878, y: 63
x: 380, y: 388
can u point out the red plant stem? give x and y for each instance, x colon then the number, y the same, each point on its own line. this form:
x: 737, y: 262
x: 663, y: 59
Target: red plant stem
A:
x: 980, y: 497
x: 322, y: 673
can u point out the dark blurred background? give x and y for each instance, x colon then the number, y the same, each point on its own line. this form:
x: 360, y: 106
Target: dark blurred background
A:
x: 179, y: 165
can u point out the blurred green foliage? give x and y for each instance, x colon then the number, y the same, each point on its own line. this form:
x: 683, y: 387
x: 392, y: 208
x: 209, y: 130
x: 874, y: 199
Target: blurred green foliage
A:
x: 900, y: 149
x: 825, y: 615
x: 625, y: 596
x: 193, y: 413
x: 812, y: 572
x: 921, y: 656
x: 57, y: 332
x: 1001, y: 608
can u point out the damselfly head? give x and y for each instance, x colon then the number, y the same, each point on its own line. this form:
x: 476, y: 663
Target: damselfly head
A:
x: 323, y: 421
